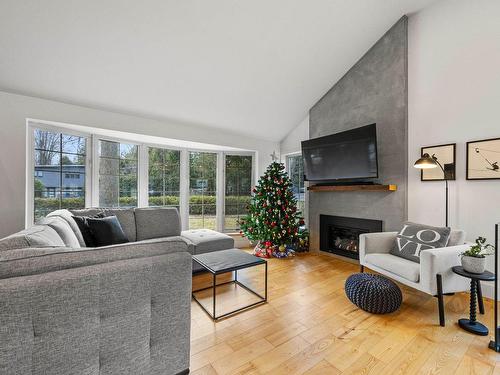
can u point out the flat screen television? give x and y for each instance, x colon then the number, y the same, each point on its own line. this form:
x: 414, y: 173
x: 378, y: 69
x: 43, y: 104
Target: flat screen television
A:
x: 349, y: 156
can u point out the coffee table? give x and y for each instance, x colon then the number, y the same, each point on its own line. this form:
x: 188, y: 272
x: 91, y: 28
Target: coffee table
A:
x: 225, y: 261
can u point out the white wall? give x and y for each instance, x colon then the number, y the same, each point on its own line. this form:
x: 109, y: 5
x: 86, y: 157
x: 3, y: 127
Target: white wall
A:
x: 291, y: 143
x: 454, y: 96
x: 14, y: 109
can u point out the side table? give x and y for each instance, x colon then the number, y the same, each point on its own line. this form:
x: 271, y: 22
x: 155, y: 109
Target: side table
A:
x: 471, y: 324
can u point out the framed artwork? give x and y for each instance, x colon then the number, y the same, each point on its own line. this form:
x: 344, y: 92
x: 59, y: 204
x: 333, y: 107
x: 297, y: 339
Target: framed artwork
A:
x: 483, y: 159
x: 446, y: 155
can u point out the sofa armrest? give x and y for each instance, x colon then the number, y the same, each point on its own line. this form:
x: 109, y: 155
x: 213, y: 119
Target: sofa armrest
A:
x: 371, y: 243
x: 440, y: 261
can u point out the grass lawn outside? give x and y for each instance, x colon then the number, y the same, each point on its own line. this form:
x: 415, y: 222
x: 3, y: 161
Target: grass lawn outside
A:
x: 210, y: 222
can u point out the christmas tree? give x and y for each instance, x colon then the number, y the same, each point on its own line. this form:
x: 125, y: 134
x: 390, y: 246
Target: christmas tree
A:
x: 273, y: 219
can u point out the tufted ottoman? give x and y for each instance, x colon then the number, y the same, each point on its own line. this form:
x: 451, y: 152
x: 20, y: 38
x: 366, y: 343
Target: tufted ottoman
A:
x: 202, y: 241
x: 373, y: 293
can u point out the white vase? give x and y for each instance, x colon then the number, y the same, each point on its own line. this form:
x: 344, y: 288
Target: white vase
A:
x: 474, y: 264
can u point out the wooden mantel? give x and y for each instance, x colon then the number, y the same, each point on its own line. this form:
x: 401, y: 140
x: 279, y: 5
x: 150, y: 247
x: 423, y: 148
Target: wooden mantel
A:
x: 352, y: 188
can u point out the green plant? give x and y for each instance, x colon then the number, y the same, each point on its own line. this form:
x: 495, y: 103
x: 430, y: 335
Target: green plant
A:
x: 479, y: 250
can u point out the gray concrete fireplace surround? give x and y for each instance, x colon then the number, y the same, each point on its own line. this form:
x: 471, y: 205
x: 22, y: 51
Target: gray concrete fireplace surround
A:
x: 374, y: 90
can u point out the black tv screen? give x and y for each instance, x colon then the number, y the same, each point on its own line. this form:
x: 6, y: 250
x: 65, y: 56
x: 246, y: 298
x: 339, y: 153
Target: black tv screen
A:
x: 347, y: 156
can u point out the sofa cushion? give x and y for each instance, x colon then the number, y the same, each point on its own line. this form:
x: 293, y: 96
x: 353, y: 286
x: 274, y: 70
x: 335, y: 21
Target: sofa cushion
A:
x: 414, y: 238
x: 36, y: 236
x: 106, y: 231
x: 206, y: 240
x: 126, y: 217
x: 157, y: 222
x: 68, y: 216
x: 87, y: 212
x: 399, y: 266
x: 457, y: 237
x: 63, y: 229
x: 81, y: 221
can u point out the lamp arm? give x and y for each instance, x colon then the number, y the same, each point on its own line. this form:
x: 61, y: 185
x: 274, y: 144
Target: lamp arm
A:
x: 438, y: 163
x: 446, y: 184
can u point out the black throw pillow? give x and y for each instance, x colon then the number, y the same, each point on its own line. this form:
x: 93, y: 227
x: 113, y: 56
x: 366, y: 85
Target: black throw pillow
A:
x: 81, y: 221
x: 106, y: 231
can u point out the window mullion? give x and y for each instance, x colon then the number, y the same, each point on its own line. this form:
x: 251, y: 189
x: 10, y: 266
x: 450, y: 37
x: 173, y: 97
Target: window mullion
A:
x: 95, y: 171
x: 220, y: 194
x: 184, y: 189
x: 60, y: 170
x: 143, y: 176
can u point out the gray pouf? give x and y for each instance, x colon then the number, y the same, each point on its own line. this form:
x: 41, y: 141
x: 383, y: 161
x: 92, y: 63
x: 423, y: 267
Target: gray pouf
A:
x: 373, y: 293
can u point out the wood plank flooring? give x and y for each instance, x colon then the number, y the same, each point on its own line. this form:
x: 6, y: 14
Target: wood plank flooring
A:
x: 310, y: 327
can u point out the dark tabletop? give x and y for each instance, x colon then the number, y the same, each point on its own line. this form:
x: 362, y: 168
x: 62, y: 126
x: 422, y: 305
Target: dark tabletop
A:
x: 485, y: 276
x: 227, y: 260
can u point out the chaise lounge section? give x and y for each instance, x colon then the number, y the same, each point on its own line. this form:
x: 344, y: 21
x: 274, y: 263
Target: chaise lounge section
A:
x: 118, y: 309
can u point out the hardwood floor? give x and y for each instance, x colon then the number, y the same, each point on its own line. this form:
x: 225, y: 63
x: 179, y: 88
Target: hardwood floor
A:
x: 310, y: 327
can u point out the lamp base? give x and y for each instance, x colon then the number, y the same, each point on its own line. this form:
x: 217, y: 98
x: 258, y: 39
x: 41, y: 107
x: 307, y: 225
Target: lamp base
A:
x: 494, y: 346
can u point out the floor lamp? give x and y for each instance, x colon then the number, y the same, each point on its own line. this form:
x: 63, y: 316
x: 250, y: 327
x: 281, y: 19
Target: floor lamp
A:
x: 429, y: 162
x: 495, y: 344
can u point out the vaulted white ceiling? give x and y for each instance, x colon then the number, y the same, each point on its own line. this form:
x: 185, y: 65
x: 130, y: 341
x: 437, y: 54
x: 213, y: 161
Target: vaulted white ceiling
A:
x: 249, y: 66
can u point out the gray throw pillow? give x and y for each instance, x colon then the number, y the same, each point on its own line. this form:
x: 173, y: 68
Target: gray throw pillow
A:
x: 414, y: 238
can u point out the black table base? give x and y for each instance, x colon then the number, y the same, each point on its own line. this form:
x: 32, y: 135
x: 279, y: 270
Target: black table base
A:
x: 473, y: 327
x: 476, y: 295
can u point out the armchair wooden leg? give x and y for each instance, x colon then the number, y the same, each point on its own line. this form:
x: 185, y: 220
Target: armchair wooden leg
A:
x: 361, y: 268
x: 480, y: 297
x: 439, y: 282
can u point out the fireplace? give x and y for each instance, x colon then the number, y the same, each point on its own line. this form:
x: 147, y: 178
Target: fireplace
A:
x: 340, y: 235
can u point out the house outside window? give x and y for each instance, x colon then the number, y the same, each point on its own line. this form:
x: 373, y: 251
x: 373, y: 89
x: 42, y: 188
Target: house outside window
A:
x: 57, y: 155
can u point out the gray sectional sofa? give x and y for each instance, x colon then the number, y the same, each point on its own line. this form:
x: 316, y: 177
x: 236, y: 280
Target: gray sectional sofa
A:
x: 119, y: 309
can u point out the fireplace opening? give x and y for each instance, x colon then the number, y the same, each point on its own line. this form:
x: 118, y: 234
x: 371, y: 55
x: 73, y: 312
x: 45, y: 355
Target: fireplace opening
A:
x: 340, y: 235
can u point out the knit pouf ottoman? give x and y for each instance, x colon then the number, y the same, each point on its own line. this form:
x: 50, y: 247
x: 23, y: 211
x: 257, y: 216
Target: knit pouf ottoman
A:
x: 373, y: 293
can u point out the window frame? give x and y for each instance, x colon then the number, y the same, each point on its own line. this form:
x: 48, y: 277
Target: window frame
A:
x: 305, y: 212
x: 218, y: 196
x: 32, y: 126
x: 96, y: 165
x: 165, y: 148
x: 92, y: 160
x: 252, y: 183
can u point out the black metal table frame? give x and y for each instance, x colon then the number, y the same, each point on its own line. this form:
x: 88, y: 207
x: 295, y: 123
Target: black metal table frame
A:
x: 263, y: 299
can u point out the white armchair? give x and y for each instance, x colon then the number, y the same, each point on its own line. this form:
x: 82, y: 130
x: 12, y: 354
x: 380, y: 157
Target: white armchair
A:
x: 432, y: 276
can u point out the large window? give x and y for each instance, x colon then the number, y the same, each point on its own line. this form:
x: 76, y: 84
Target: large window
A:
x: 202, y: 190
x: 118, y: 167
x: 295, y: 168
x: 59, y: 171
x: 72, y: 169
x: 238, y: 189
x: 164, y: 177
